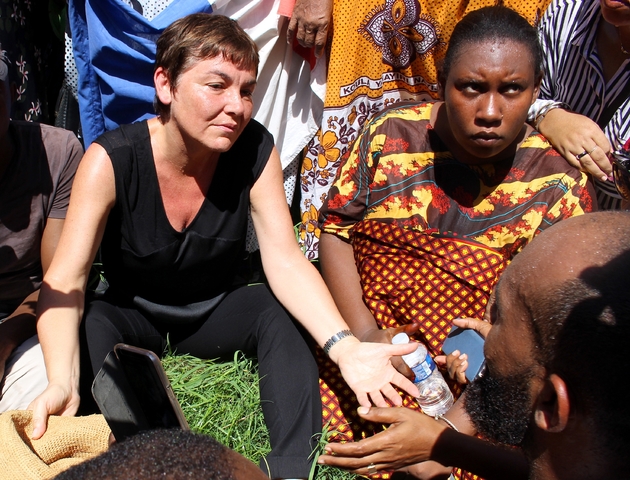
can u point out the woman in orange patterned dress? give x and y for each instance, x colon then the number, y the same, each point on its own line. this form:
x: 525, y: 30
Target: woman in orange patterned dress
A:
x: 380, y: 52
x: 434, y: 199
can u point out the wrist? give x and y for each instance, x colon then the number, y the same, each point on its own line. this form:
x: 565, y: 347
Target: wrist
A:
x: 545, y: 111
x: 341, y: 346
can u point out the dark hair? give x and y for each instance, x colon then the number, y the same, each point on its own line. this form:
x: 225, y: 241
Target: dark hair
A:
x: 158, y: 454
x: 582, y: 331
x: 198, y: 37
x: 492, y: 23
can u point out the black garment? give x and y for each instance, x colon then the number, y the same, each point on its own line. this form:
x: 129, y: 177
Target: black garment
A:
x: 164, y: 282
x: 248, y: 319
x: 177, y: 276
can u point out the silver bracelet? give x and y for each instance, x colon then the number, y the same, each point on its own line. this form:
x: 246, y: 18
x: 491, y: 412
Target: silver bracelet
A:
x: 447, y: 421
x: 335, y: 338
x: 545, y: 110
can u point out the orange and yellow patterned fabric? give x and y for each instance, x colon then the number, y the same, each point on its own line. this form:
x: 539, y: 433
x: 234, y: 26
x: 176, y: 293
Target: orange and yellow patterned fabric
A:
x: 381, y: 52
x: 431, y: 235
x: 409, y: 276
x: 400, y: 171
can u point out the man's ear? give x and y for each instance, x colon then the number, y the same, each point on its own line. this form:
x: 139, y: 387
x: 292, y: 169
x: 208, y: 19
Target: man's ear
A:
x: 163, y: 88
x: 552, y: 407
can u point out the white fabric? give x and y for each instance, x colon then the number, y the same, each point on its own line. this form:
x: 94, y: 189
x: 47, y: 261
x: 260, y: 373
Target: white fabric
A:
x: 289, y: 97
x: 25, y: 376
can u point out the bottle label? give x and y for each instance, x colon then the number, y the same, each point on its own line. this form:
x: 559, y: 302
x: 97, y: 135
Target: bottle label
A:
x: 424, y: 369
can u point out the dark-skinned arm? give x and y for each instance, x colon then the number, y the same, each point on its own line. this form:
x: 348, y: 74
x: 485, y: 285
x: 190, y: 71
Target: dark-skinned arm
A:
x: 342, y: 279
x: 413, y: 438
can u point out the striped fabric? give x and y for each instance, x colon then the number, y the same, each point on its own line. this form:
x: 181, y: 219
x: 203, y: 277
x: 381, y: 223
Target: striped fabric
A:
x: 573, y: 74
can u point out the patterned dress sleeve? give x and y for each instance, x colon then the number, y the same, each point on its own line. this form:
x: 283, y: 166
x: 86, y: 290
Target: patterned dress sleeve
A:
x: 577, y: 198
x: 346, y: 202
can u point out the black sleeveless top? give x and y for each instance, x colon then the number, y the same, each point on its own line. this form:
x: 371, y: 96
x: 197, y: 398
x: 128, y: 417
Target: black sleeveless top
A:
x: 171, y: 276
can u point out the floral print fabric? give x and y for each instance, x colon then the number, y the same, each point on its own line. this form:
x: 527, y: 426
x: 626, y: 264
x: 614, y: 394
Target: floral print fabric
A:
x: 381, y: 52
x: 35, y: 55
x: 400, y: 171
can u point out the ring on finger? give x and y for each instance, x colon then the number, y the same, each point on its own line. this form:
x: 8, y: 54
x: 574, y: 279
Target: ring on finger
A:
x: 579, y: 156
x: 371, y: 468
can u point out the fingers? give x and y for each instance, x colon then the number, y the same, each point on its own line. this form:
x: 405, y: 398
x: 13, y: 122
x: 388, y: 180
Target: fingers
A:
x: 595, y: 161
x: 356, y: 456
x: 363, y: 399
x: 404, y: 384
x: 306, y: 35
x: 400, y: 349
x: 403, y: 368
x: 385, y: 415
x: 320, y: 41
x: 40, y: 420
x: 291, y: 29
x: 457, y: 363
x: 377, y: 397
x: 411, y: 328
x: 478, y: 325
x: 392, y: 395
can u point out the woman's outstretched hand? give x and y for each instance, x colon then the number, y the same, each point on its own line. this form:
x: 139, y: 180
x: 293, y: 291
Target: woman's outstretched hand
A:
x: 368, y: 370
x: 385, y: 335
x: 55, y: 400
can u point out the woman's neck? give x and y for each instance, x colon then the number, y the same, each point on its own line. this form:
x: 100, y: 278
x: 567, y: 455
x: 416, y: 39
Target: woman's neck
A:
x: 178, y: 154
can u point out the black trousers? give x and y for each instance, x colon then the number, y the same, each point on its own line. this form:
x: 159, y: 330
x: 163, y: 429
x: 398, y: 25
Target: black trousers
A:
x: 248, y: 319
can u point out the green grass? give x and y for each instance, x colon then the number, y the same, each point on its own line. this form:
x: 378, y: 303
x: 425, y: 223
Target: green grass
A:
x: 221, y: 399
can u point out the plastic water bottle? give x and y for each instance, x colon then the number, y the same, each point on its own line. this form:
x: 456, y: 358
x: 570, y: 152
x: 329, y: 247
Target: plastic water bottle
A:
x: 435, y: 396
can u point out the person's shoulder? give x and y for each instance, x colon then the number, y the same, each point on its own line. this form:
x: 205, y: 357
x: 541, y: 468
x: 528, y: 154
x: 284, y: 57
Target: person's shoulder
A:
x: 59, y: 145
x: 256, y: 129
x: 563, y: 12
x: 25, y: 130
x: 124, y: 136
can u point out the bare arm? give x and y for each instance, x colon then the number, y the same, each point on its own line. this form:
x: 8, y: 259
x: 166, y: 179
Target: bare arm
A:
x: 296, y: 284
x: 62, y: 296
x: 342, y: 278
x: 20, y: 325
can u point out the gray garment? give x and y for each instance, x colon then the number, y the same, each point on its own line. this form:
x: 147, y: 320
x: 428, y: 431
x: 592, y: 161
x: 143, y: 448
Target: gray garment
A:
x: 35, y: 186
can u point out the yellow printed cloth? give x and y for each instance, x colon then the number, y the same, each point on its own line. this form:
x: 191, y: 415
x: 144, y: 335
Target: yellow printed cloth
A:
x: 431, y: 235
x: 67, y: 442
x: 401, y: 172
x: 381, y: 52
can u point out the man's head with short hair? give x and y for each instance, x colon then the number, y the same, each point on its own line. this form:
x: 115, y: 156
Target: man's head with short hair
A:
x: 174, y: 454
x: 557, y: 354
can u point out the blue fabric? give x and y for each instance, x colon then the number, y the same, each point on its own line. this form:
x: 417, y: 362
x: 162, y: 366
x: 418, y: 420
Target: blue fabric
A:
x: 114, y: 49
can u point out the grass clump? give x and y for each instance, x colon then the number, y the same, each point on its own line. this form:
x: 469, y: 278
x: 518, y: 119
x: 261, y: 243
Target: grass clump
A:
x: 221, y: 399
